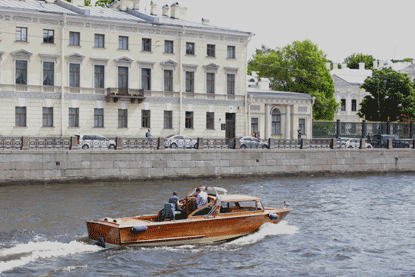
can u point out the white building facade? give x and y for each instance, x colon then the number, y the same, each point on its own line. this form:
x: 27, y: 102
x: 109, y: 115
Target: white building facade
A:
x: 67, y: 69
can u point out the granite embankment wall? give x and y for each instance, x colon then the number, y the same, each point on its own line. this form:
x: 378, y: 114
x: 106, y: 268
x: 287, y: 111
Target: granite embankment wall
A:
x: 61, y: 166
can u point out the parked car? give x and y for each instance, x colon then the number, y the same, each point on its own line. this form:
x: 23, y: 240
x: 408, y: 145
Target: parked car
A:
x: 251, y: 142
x: 381, y: 141
x: 179, y: 141
x: 87, y: 141
x: 352, y: 143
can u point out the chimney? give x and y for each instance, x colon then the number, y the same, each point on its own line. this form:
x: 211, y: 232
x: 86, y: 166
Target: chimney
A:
x: 263, y: 83
x: 361, y: 66
x: 136, y: 4
x: 78, y: 2
x: 205, y: 21
x: 335, y: 66
x: 130, y: 4
x: 328, y: 65
x: 153, y: 10
x: 175, y: 10
x: 49, y: 1
x: 165, y: 10
x: 344, y: 65
x: 123, y: 5
x: 375, y: 64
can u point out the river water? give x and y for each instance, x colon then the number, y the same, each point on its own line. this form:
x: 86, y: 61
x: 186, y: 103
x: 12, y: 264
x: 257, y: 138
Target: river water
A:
x: 345, y: 226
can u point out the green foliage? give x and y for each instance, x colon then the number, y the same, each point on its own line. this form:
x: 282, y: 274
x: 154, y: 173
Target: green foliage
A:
x: 354, y: 60
x: 104, y: 3
x: 264, y: 50
x: 404, y: 60
x: 299, y: 67
x: 392, y: 96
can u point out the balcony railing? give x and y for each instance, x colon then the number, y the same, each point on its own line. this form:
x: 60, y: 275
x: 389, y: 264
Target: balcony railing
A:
x: 133, y: 95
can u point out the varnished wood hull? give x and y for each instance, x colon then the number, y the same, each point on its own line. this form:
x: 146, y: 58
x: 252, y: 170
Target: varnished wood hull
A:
x: 187, y: 231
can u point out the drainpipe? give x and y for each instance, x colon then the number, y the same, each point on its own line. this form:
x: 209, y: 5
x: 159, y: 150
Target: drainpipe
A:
x: 62, y: 70
x: 246, y: 89
x: 181, y: 81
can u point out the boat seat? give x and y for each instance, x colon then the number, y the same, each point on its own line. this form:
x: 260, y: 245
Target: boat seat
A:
x: 169, y: 212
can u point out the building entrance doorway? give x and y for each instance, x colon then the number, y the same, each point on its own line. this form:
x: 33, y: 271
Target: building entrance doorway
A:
x: 230, y: 125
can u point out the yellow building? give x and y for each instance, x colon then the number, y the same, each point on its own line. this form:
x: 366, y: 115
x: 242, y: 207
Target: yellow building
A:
x: 67, y: 69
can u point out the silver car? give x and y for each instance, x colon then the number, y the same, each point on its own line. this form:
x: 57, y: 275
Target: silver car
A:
x: 87, y: 141
x: 179, y: 141
x: 251, y: 142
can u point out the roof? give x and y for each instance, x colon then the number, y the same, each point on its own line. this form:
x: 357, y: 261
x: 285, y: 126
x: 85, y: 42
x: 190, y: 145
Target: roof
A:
x: 238, y: 197
x: 61, y: 6
x: 257, y: 92
x: 399, y: 66
x: 352, y: 76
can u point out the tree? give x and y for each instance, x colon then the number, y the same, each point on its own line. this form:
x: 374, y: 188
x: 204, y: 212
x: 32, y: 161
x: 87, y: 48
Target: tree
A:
x: 392, y: 96
x: 104, y: 3
x: 264, y: 50
x: 299, y: 67
x: 354, y: 60
x: 403, y: 60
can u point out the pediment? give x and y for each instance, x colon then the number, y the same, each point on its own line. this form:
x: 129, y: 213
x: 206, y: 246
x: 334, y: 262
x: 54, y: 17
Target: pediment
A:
x: 169, y: 63
x: 21, y: 54
x: 124, y: 60
x: 211, y: 66
x: 339, y: 81
x: 75, y: 56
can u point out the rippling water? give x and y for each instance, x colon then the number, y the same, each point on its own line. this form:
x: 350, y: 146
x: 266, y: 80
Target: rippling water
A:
x: 357, y: 226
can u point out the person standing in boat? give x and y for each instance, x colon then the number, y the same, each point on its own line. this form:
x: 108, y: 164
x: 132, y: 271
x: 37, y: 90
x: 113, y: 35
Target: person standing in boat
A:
x: 175, y: 201
x: 201, y: 198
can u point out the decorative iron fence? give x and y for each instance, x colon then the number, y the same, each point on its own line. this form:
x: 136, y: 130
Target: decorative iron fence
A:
x: 50, y: 143
x: 284, y: 144
x: 11, y: 143
x: 211, y: 143
x: 139, y: 143
x: 322, y: 129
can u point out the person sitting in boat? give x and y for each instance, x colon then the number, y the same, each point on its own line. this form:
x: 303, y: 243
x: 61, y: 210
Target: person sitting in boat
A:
x: 201, y: 198
x: 175, y: 201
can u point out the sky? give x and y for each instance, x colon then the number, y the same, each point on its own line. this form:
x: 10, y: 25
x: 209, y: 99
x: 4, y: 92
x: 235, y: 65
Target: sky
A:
x: 383, y: 29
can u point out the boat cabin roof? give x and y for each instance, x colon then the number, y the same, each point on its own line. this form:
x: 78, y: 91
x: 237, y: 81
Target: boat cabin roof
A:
x: 238, y: 198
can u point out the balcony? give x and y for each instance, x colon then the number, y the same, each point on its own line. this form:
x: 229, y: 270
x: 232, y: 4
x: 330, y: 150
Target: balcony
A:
x: 133, y: 95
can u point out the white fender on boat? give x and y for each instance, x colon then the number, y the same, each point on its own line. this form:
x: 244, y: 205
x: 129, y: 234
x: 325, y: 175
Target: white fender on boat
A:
x: 138, y: 229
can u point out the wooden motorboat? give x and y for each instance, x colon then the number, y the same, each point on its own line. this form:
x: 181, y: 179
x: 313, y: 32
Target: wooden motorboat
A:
x: 224, y: 217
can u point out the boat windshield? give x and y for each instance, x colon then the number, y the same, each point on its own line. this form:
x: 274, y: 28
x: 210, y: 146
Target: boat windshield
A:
x: 215, y: 191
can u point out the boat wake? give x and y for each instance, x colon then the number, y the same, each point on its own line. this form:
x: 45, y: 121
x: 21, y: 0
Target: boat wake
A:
x: 268, y: 229
x: 22, y: 254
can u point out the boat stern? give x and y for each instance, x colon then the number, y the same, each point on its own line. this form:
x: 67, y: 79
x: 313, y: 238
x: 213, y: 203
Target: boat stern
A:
x: 103, y: 234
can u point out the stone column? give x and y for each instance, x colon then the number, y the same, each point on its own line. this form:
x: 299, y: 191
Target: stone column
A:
x: 287, y: 122
x: 267, y: 121
x: 118, y: 141
x: 25, y: 143
x: 74, y: 143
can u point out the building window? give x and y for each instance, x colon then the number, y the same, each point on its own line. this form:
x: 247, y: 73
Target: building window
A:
x: 21, y: 34
x: 231, y: 52
x: 21, y: 116
x: 210, y: 83
x: 254, y: 125
x: 146, y: 44
x: 123, y: 43
x: 211, y: 50
x: 301, y: 125
x: 168, y: 80
x: 74, y: 38
x: 48, y: 73
x: 99, y: 76
x: 354, y: 105
x: 343, y: 105
x: 123, y: 80
x: 188, y: 123
x: 74, y: 74
x: 99, y: 41
x: 21, y: 72
x: 210, y: 120
x: 190, y: 81
x: 190, y: 48
x: 73, y: 117
x: 98, y: 117
x: 168, y: 119
x: 168, y: 46
x: 47, y: 117
x: 145, y: 118
x: 146, y: 78
x: 231, y: 84
x: 48, y: 36
x: 122, y: 118
x: 276, y: 122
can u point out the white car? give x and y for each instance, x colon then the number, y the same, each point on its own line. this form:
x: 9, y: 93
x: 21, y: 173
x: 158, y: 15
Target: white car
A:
x: 251, y: 142
x: 353, y: 143
x: 179, y: 141
x: 88, y: 141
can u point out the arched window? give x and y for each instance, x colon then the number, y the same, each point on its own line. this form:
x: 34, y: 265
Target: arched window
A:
x: 276, y: 122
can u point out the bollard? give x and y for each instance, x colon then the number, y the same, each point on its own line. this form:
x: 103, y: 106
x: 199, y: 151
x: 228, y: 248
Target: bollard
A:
x: 271, y: 142
x: 236, y: 144
x: 333, y: 144
x: 25, y: 143
x: 362, y: 143
x: 389, y: 144
x: 199, y: 143
x: 303, y: 144
x: 160, y: 144
x: 74, y: 143
x: 118, y: 142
